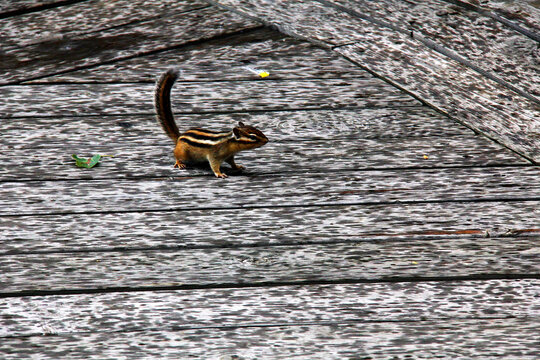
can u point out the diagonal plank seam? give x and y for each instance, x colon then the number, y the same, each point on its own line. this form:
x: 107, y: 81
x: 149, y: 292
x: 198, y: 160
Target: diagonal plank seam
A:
x: 136, y: 55
x: 288, y: 31
x: 38, y: 8
x: 512, y: 25
x: 434, y: 46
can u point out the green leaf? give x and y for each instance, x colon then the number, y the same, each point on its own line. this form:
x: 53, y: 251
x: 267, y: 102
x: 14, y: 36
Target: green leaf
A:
x: 86, y: 163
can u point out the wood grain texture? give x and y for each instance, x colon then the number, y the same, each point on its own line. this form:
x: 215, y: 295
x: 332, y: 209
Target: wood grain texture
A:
x: 99, y: 15
x: 445, y: 84
x: 129, y: 99
x: 478, y: 339
x: 226, y: 59
x: 350, y: 187
x: 359, y: 261
x: 525, y: 13
x: 510, y: 120
x: 7, y: 7
x: 71, y: 53
x: 361, y: 187
x: 491, y: 46
x: 308, y: 20
x: 261, y: 226
x: 303, y: 158
x: 279, y: 305
x: 24, y: 135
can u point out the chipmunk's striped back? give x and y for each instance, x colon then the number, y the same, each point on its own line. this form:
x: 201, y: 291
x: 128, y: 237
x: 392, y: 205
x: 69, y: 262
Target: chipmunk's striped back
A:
x: 205, y: 138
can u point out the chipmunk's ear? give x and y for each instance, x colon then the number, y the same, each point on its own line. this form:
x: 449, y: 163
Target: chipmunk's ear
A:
x: 241, y: 124
x: 236, y: 133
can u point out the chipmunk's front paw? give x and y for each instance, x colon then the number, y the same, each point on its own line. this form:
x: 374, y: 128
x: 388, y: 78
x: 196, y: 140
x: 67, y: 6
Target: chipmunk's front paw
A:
x: 221, y: 175
x: 179, y: 165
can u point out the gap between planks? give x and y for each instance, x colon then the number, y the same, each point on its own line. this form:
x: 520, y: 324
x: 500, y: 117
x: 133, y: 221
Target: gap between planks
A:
x: 229, y: 308
x: 394, y: 260
x: 288, y: 243
x: 274, y: 174
x: 273, y: 284
x: 179, y: 82
x: 40, y: 6
x: 513, y: 199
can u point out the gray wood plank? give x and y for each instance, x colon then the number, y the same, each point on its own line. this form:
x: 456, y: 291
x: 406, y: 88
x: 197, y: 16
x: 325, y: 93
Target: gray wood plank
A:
x: 366, y: 187
x: 278, y: 305
x: 129, y: 138
x: 77, y: 52
x: 478, y: 339
x: 511, y: 121
x: 443, y: 83
x: 295, y: 158
x: 452, y: 339
x: 18, y: 6
x: 99, y: 15
x: 129, y: 99
x: 526, y: 13
x: 228, y: 58
x: 484, y: 42
x: 24, y: 135
x: 358, y: 261
x: 301, y: 19
x: 263, y: 226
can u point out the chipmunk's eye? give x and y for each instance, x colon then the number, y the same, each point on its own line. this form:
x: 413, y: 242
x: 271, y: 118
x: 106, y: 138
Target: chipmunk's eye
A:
x: 254, y: 137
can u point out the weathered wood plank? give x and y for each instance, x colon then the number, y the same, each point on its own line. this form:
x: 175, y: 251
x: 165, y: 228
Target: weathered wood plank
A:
x: 279, y: 225
x: 279, y: 305
x: 23, y: 135
x: 486, y: 43
x: 286, y: 190
x: 100, y: 15
x: 358, y: 261
x: 54, y: 139
x: 510, y: 121
x: 71, y: 53
x: 296, y: 158
x: 526, y: 13
x: 129, y: 99
x: 302, y: 19
x: 455, y: 339
x: 468, y: 97
x: 226, y: 59
x: 19, y: 6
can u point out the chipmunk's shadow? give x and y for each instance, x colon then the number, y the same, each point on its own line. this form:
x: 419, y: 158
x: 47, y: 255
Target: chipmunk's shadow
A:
x: 204, y: 168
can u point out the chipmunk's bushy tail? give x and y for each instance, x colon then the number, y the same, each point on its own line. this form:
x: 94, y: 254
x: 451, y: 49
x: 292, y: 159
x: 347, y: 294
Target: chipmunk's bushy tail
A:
x: 162, y: 103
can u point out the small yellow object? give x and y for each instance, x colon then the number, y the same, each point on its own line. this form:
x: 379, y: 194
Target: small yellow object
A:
x: 414, y: 262
x: 261, y: 73
x: 426, y: 157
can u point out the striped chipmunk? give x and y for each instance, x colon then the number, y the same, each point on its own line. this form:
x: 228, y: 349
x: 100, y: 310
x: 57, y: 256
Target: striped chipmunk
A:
x: 197, y: 145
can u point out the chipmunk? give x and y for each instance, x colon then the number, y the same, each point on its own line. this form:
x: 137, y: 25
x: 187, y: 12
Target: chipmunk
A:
x: 198, y: 145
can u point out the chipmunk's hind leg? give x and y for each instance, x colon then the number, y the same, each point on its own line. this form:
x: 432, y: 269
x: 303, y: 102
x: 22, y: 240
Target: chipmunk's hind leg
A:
x: 182, y: 156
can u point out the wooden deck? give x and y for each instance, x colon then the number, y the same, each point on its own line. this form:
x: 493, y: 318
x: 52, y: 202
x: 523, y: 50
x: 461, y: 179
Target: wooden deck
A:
x: 393, y: 214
